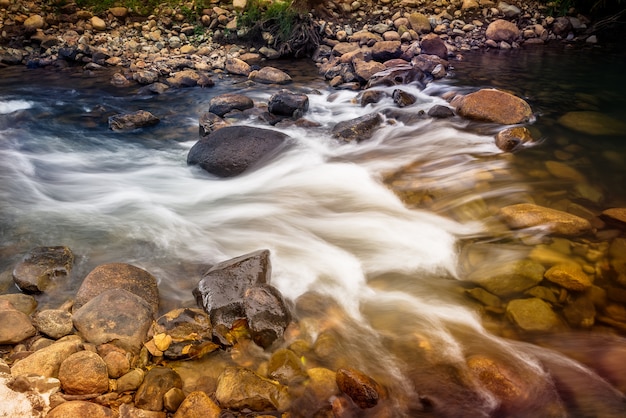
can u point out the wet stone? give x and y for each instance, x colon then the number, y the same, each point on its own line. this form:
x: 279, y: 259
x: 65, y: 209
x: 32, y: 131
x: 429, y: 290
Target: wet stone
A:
x: 491, y: 105
x: 372, y: 96
x: 190, y: 331
x: 592, y: 123
x: 239, y: 388
x: 616, y: 216
x: 41, y: 266
x: 362, y: 389
x: 570, y: 276
x: 130, y: 121
x: 16, y: 326
x: 533, y: 315
x: 198, y: 405
x: 270, y: 75
x: 506, y: 279
x: 157, y: 382
x: 357, y: 129
x: 527, y: 215
x: 286, y: 103
x: 84, y: 373
x: 440, y: 112
x: 580, y: 313
x: 285, y: 367
x: 266, y: 314
x: 130, y: 381
x: 402, y: 98
x: 117, y: 364
x: 511, y: 139
x: 224, y: 103
x: 173, y: 398
x: 23, y: 303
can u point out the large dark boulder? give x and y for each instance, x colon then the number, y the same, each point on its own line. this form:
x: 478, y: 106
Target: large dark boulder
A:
x: 224, y: 103
x: 232, y: 150
x: 238, y: 289
x: 358, y: 129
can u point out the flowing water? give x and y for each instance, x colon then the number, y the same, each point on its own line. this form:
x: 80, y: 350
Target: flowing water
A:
x: 366, y: 238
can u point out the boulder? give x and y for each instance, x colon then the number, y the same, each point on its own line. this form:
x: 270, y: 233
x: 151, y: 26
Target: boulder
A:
x: 198, y: 405
x: 119, y: 12
x: 372, y: 96
x: 440, y: 112
x: 402, y: 98
x: 616, y: 216
x: 46, y: 361
x: 285, y: 367
x: 362, y: 389
x: 366, y: 69
x: 210, y: 122
x: 491, y: 105
x: 41, y: 267
x: 508, y: 278
x: 81, y: 409
x: 16, y: 326
x: 570, y: 276
x: 401, y: 74
x: 432, y: 44
x: 527, y: 215
x: 55, y: 323
x: 119, y: 276
x: 511, y: 139
x: 145, y: 77
x: 238, y: 67
x: 386, y: 50
x: 232, y: 150
x: 357, y: 129
x: 98, y: 24
x: 533, y: 315
x: 224, y: 103
x: 592, y: 123
x: 189, y: 78
x: 266, y: 314
x: 117, y: 316
x: 270, y: 75
x: 221, y: 290
x: 286, y: 103
x: 158, y: 381
x: 239, y: 388
x: 33, y: 23
x: 84, y: 373
x: 419, y: 22
x: 130, y: 121
x: 502, y: 30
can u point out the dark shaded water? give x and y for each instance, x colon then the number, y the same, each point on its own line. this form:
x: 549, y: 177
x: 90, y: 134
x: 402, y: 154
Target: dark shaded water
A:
x: 378, y: 281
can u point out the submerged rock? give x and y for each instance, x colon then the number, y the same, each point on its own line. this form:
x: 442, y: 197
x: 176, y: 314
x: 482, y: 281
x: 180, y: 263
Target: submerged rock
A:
x: 362, y: 389
x: 533, y: 315
x: 592, y: 123
x: 232, y: 150
x: 527, y: 215
x: 130, y: 121
x: 491, y: 105
x: 570, y: 276
x: 156, y: 383
x: 198, y: 405
x: 41, y: 266
x: 239, y: 388
x: 190, y: 331
x: 511, y: 139
x: 505, y: 279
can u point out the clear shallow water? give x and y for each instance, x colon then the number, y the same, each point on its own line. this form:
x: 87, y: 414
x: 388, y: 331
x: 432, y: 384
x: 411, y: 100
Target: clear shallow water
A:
x: 389, y: 292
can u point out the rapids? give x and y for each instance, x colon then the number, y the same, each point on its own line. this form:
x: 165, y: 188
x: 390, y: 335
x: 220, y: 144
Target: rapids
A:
x: 381, y: 278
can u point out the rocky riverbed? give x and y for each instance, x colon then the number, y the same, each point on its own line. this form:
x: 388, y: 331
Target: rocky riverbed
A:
x: 108, y: 352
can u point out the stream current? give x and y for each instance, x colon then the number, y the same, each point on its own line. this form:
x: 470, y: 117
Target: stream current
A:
x: 367, y: 237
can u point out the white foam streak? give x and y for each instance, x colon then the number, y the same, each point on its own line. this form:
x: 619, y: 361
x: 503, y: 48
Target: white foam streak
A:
x: 10, y: 106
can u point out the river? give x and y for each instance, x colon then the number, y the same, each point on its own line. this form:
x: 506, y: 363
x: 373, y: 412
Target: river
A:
x: 367, y: 239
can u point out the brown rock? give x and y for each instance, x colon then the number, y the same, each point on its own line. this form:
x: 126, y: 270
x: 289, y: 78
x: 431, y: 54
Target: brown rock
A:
x: 366, y: 69
x: 511, y: 139
x: 270, y: 75
x: 119, y: 276
x: 527, y: 215
x: 502, y: 30
x: 239, y: 388
x: 41, y: 267
x: 55, y: 323
x: 224, y: 103
x: 533, y: 315
x: 615, y: 216
x: 238, y: 67
x: 16, y: 325
x: 46, y: 362
x: 33, y: 23
x: 115, y: 316
x: 432, y: 44
x: 419, y: 22
x: 491, y: 105
x: 81, y: 409
x: 570, y: 276
x: 156, y: 383
x: 362, y: 389
x: 98, y: 24
x: 345, y: 48
x: 210, y: 122
x: 592, y: 123
x: 198, y: 405
x: 386, y: 50
x: 130, y: 121
x: 117, y: 364
x: 358, y: 129
x: 84, y: 373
